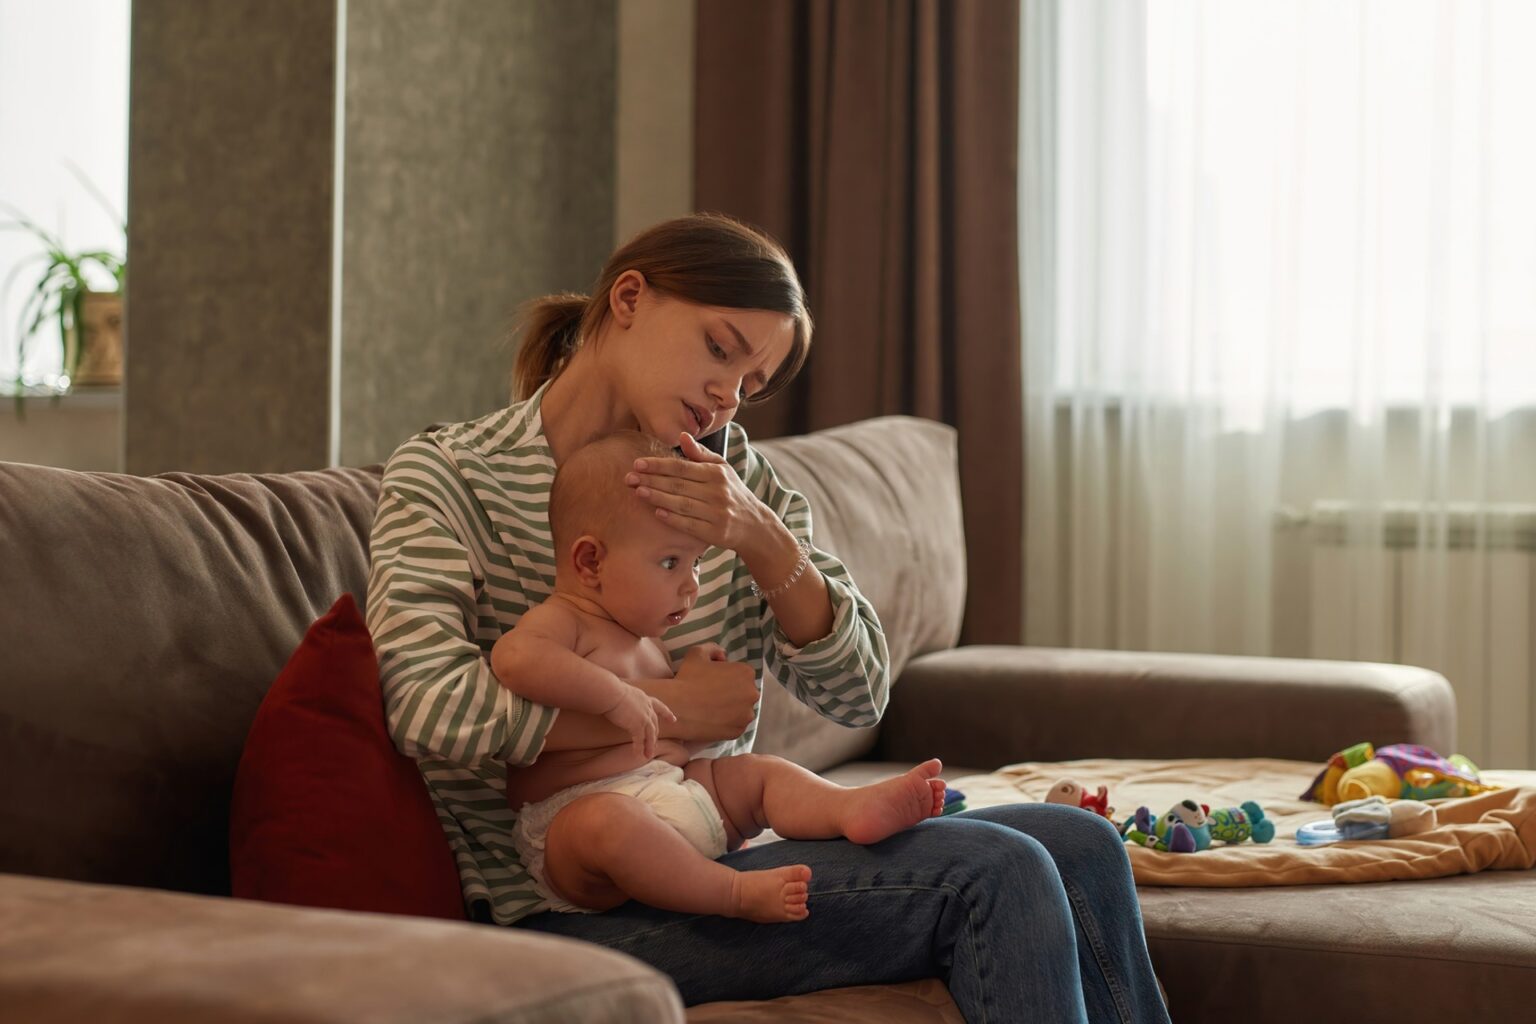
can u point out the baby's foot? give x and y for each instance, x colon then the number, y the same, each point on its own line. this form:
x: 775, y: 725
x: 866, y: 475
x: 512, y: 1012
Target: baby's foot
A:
x: 885, y: 808
x: 771, y: 896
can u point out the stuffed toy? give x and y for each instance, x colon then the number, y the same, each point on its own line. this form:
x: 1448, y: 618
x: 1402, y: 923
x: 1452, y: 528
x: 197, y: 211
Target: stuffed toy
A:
x: 1069, y: 792
x: 1189, y: 827
x: 1178, y: 831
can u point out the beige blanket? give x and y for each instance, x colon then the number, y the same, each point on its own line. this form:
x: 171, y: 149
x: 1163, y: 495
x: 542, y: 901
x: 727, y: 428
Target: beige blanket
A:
x: 1491, y: 831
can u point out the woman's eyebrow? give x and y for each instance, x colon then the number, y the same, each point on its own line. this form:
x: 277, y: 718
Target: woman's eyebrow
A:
x: 739, y: 337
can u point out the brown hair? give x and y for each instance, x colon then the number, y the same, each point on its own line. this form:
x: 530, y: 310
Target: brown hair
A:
x: 589, y: 494
x: 706, y: 258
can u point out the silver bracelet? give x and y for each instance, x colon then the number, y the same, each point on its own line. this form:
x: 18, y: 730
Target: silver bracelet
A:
x: 794, y: 577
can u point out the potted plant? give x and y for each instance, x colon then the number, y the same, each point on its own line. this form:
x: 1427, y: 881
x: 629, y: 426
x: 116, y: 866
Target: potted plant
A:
x: 88, y: 319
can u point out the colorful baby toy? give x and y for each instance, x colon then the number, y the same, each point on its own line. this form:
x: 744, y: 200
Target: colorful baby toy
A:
x: 1234, y: 824
x: 1403, y: 771
x: 1069, y: 792
x: 1174, y: 832
x: 1188, y: 827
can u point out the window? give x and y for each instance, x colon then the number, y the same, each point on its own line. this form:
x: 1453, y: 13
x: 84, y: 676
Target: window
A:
x: 1296, y: 199
x: 63, y: 118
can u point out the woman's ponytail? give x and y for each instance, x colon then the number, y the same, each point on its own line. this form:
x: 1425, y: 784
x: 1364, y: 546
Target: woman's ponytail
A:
x: 550, y: 330
x: 704, y: 258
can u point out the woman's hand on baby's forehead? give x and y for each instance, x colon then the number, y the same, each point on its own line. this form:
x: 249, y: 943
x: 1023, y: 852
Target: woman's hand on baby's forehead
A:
x: 694, y: 463
x: 672, y: 467
x: 701, y: 495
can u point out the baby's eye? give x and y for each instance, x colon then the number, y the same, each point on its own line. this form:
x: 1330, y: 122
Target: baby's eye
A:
x: 714, y: 350
x: 669, y: 563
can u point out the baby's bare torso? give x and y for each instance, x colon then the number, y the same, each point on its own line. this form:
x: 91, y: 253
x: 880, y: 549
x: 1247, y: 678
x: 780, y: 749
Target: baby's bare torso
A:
x: 608, y: 645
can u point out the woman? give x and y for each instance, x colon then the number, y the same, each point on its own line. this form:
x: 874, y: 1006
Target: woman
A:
x: 1027, y: 912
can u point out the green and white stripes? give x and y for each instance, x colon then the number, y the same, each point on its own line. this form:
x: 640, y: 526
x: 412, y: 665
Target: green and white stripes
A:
x: 460, y: 548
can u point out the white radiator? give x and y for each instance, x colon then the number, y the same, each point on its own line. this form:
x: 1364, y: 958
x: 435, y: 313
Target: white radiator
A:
x: 1452, y: 589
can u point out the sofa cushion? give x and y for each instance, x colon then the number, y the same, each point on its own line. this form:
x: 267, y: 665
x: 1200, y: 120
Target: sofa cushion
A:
x: 1450, y: 949
x: 326, y: 813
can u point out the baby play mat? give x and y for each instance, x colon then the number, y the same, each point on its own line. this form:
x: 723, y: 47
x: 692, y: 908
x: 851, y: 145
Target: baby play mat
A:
x: 1490, y: 831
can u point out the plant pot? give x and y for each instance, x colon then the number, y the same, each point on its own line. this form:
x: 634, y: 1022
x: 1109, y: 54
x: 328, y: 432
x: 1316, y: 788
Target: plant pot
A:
x: 101, y: 356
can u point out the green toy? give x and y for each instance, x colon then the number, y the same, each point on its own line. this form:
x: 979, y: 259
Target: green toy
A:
x: 1234, y: 824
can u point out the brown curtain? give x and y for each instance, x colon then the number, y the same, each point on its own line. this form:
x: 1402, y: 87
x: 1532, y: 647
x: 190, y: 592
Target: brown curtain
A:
x: 878, y: 140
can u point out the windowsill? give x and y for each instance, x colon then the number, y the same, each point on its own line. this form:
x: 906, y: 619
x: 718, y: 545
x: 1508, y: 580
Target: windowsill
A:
x: 79, y: 398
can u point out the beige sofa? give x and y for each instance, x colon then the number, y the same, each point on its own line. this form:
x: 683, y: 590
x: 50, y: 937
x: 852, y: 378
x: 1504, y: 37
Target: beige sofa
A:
x: 143, y: 620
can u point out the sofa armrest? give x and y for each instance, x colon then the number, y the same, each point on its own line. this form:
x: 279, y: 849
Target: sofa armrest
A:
x: 990, y: 706
x: 71, y: 952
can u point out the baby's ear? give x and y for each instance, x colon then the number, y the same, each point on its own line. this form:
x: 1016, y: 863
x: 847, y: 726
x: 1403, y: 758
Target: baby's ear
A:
x: 587, y: 556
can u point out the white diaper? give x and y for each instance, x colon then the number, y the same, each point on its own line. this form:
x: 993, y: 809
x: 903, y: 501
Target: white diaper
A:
x: 682, y: 803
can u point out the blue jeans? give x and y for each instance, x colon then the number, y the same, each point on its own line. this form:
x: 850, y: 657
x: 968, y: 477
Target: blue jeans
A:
x: 1027, y: 912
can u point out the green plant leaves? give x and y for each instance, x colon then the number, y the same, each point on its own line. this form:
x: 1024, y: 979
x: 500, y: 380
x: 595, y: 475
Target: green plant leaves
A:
x: 59, y: 294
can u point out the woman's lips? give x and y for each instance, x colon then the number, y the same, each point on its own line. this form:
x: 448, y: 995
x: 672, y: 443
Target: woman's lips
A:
x: 699, y: 420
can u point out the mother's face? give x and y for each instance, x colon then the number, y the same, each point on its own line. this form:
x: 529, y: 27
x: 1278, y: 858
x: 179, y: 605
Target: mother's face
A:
x: 686, y: 367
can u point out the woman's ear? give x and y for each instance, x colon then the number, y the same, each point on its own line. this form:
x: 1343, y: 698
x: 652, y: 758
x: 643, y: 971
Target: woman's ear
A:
x: 624, y: 297
x: 587, y: 556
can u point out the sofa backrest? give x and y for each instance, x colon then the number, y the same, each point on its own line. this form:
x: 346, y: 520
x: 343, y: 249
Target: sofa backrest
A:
x: 143, y: 619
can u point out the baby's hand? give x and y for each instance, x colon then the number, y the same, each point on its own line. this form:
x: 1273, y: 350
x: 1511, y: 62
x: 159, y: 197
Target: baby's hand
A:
x: 640, y: 715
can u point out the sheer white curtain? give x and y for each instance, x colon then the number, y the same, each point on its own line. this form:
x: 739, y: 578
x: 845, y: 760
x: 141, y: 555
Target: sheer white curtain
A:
x: 1279, y: 287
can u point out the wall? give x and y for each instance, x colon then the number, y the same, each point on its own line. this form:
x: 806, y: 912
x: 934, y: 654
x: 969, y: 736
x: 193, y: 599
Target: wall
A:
x: 654, y: 122
x: 83, y: 430
x: 230, y: 140
x: 479, y: 173
x: 477, y: 169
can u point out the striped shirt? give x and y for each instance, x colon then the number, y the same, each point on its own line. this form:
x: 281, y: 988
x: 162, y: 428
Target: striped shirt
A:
x: 460, y: 548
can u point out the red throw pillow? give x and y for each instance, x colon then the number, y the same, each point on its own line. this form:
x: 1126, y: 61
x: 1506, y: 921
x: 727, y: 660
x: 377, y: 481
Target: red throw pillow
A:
x: 326, y: 812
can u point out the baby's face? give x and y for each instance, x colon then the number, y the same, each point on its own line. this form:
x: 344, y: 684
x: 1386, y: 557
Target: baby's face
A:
x: 650, y: 575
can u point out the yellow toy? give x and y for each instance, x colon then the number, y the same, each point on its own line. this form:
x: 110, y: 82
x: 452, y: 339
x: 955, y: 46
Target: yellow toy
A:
x: 1373, y: 778
x: 1403, y: 771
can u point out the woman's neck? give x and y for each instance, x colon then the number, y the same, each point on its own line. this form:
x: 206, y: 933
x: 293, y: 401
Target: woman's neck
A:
x: 581, y: 405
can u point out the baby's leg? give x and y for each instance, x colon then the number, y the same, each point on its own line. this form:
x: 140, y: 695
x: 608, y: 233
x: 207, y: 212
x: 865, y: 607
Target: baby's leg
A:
x: 605, y: 848
x: 757, y: 791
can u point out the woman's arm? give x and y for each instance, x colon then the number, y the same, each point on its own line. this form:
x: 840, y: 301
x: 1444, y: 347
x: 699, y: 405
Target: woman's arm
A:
x: 802, y: 607
x: 844, y: 672
x: 441, y: 699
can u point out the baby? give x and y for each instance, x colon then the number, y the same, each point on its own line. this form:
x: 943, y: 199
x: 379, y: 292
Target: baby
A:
x: 622, y: 578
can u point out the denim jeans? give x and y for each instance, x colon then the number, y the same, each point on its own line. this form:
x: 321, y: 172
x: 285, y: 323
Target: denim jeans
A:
x: 1027, y: 912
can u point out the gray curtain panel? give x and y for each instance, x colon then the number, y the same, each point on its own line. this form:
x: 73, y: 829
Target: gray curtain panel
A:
x: 879, y: 142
